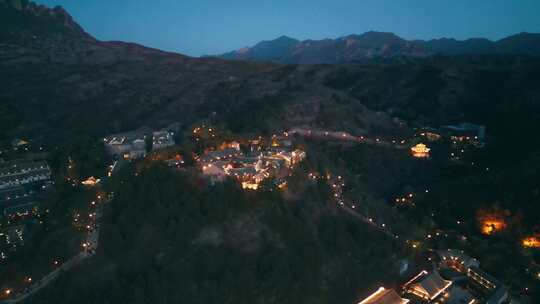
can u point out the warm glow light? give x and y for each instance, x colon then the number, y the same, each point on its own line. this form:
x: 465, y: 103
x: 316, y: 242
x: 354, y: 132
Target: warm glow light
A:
x: 250, y: 186
x: 531, y: 242
x: 381, y: 289
x: 492, y: 226
x: 91, y: 181
x: 492, y: 221
x: 420, y: 151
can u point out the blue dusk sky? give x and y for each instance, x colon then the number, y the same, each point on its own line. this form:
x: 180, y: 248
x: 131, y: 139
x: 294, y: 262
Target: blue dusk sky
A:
x: 199, y: 27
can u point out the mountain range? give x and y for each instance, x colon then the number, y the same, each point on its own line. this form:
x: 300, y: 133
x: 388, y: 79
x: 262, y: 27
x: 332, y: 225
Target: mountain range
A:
x: 379, y: 45
x: 59, y: 81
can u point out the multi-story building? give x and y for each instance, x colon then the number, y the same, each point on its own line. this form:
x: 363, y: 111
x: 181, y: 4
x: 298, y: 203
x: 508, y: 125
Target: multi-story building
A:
x: 17, y: 173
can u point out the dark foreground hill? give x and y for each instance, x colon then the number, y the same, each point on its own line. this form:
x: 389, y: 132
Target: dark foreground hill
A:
x: 380, y: 46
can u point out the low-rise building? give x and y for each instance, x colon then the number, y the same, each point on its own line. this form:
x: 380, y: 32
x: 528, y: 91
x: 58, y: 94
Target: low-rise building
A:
x: 20, y: 144
x: 457, y: 295
x: 162, y: 139
x: 129, y: 145
x: 496, y: 292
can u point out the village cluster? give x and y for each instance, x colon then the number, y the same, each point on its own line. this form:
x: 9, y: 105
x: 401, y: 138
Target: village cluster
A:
x: 456, y: 278
x: 253, y: 167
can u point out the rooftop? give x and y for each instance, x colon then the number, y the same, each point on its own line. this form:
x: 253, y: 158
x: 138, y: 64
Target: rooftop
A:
x: 429, y: 285
x: 384, y: 296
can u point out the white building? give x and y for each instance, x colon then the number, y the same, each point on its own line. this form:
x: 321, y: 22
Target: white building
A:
x: 162, y: 139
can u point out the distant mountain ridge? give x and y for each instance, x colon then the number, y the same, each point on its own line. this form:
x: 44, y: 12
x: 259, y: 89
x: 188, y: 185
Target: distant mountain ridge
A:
x: 373, y: 44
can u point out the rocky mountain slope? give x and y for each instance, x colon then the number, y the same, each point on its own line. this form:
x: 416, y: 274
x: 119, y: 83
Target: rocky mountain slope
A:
x: 379, y: 45
x: 58, y: 81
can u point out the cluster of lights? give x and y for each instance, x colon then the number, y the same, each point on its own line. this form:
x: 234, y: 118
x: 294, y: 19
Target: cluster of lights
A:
x: 406, y: 199
x: 531, y: 242
x: 198, y: 131
x: 420, y: 151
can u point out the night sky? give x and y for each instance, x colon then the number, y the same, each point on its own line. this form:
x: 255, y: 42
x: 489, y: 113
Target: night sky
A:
x: 198, y: 27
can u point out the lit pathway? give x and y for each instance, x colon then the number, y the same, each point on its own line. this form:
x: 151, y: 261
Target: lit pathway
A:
x: 336, y: 185
x: 344, y: 136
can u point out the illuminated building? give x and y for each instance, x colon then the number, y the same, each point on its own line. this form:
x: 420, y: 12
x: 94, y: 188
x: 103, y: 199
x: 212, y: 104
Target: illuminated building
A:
x: 230, y: 144
x: 492, y: 220
x: 427, y: 286
x: 91, y: 181
x: 456, y: 259
x: 384, y: 296
x: 420, y: 151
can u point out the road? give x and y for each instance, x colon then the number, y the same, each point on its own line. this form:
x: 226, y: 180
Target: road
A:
x: 38, y: 285
x: 336, y: 185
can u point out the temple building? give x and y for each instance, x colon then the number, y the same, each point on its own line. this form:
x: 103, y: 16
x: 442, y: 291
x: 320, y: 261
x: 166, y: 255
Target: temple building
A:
x: 427, y: 287
x: 384, y: 296
x: 420, y: 151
